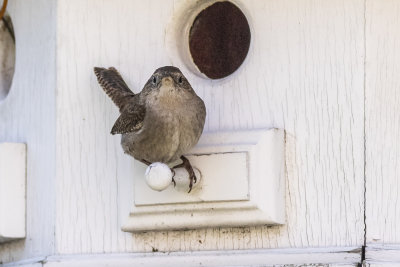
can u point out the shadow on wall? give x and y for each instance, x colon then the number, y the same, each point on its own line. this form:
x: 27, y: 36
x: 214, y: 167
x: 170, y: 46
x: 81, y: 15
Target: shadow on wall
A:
x: 7, y: 55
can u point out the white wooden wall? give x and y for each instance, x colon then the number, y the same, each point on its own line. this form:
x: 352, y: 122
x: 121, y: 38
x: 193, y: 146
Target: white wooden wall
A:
x: 382, y: 126
x: 305, y: 73
x: 325, y: 71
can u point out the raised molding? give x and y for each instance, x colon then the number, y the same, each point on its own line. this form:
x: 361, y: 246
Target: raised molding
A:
x: 242, y: 185
x: 177, y: 33
x: 335, y: 256
x: 12, y: 191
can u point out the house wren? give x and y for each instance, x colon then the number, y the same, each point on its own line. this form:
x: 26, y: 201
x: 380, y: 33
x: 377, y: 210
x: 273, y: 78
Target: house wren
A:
x: 160, y: 123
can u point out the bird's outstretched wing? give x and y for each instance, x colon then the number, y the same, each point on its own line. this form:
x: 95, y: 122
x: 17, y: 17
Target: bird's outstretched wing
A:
x: 130, y: 120
x: 132, y: 112
x: 114, y: 86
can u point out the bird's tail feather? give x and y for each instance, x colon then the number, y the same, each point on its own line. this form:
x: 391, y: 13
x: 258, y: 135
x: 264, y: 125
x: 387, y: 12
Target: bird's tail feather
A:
x: 113, y: 84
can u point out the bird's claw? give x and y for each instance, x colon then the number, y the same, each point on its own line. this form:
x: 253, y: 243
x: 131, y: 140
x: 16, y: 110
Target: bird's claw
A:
x: 193, y: 180
x: 188, y: 167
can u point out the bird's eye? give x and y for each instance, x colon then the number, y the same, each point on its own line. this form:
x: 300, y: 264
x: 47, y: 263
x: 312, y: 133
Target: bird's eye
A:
x: 180, y: 79
x: 154, y: 80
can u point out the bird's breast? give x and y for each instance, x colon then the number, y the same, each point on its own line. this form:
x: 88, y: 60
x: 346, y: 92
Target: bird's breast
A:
x: 167, y: 133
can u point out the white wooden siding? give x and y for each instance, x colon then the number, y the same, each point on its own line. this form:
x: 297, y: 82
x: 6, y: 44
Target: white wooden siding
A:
x: 305, y: 73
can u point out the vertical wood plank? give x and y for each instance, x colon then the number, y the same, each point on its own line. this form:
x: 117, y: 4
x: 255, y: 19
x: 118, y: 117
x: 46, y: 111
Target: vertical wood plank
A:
x: 382, y: 121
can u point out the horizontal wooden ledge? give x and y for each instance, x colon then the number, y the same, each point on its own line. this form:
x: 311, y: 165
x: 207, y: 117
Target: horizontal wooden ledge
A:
x: 207, y: 218
x: 344, y: 256
x: 382, y: 254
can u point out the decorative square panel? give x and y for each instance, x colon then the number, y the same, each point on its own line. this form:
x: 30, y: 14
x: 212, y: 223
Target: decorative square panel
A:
x: 242, y: 184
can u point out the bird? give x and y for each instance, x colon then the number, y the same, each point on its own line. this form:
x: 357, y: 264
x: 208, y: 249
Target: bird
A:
x: 161, y: 122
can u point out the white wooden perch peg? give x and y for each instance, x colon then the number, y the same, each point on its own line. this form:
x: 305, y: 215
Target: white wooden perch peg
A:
x: 159, y: 177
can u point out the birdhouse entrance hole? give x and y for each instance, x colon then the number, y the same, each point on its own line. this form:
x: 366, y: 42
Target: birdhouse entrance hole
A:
x: 219, y: 39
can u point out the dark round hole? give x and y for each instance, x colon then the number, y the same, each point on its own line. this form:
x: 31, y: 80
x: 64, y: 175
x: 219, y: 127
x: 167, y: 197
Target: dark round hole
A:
x: 219, y: 39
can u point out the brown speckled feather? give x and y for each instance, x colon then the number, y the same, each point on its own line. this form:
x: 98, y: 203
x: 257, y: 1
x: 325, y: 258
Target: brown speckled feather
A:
x: 115, y: 87
x: 130, y: 120
x: 132, y: 113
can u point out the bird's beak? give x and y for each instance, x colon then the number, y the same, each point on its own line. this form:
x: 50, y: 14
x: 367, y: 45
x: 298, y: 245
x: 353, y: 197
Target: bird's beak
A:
x: 167, y: 81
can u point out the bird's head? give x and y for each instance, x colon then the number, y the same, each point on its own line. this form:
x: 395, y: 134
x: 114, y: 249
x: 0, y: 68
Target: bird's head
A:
x: 167, y: 81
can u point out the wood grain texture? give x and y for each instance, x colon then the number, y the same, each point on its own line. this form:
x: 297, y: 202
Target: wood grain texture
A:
x: 304, y: 73
x: 27, y: 115
x: 382, y: 121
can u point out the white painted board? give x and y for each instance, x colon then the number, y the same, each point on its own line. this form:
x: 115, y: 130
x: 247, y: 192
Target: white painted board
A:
x: 12, y: 191
x: 318, y: 257
x: 382, y: 122
x: 327, y: 257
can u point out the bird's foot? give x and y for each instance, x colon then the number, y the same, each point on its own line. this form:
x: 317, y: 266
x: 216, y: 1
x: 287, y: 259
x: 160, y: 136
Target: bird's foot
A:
x: 188, y: 167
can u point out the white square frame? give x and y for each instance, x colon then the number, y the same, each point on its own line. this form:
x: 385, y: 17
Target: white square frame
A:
x: 265, y: 205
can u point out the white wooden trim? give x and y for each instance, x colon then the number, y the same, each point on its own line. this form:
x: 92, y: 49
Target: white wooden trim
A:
x: 382, y: 122
x: 348, y: 256
x: 262, y: 175
x: 12, y: 191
